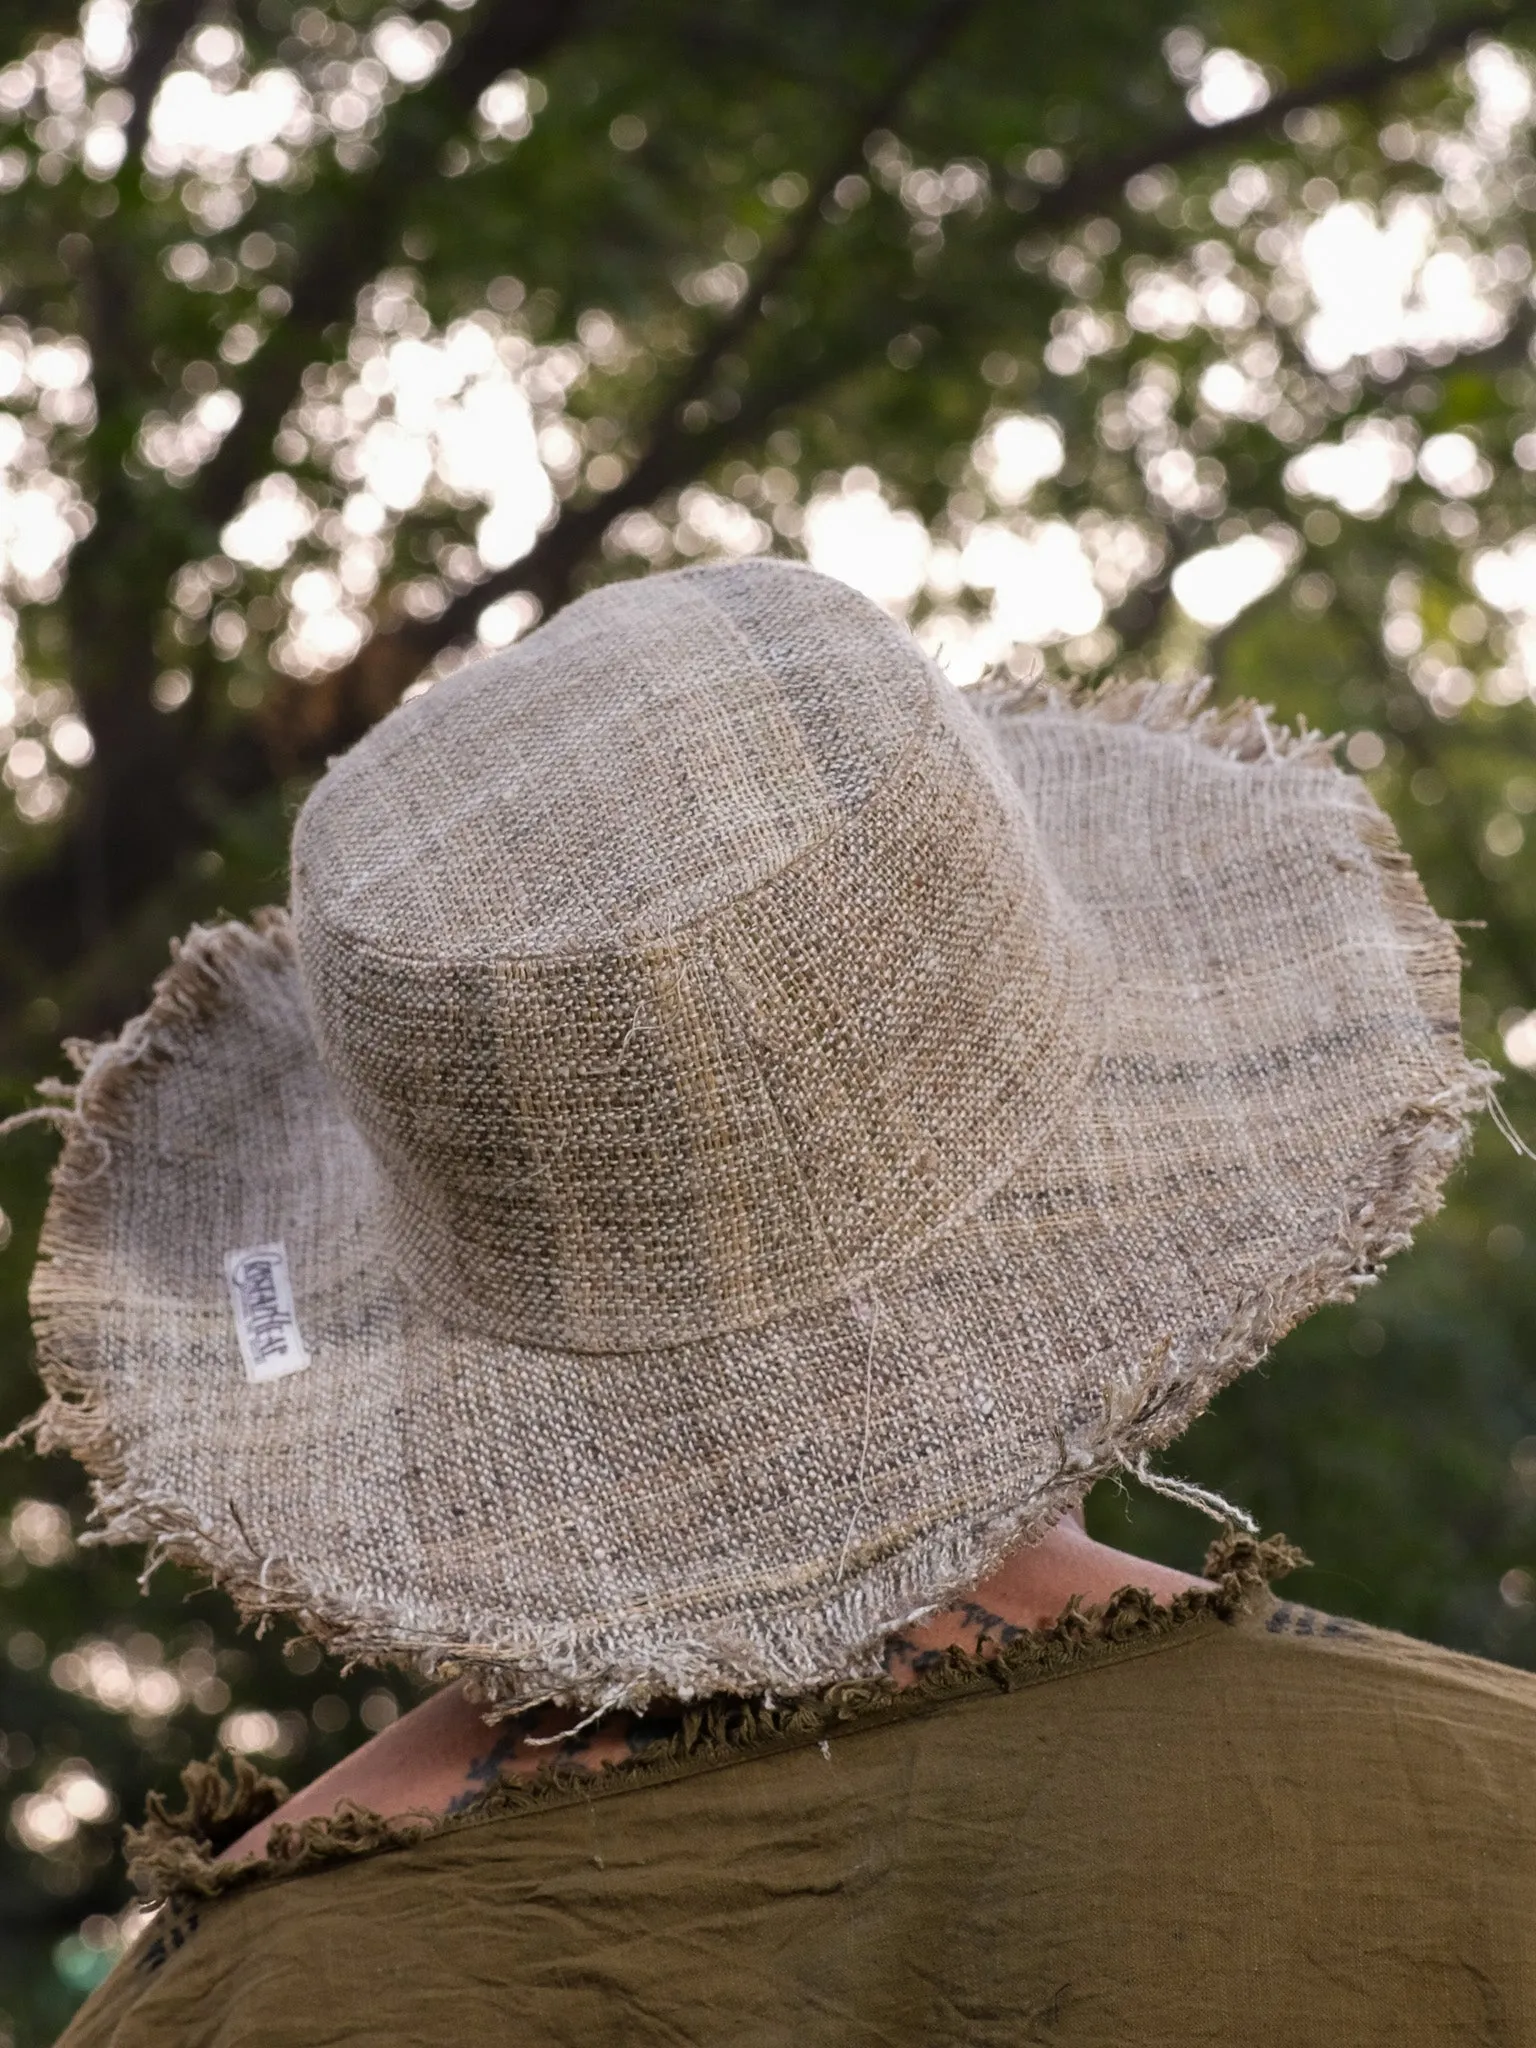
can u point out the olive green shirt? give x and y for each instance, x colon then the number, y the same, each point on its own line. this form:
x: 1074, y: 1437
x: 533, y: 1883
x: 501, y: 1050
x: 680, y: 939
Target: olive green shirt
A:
x: 1243, y: 1829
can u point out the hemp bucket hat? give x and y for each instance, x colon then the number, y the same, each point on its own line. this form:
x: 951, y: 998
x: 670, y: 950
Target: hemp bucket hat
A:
x: 733, y: 1135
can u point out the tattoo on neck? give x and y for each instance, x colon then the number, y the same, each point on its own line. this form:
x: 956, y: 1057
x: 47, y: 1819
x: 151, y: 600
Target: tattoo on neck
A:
x: 511, y: 1755
x: 902, y: 1657
x: 989, y: 1627
x: 905, y: 1659
x: 482, y: 1772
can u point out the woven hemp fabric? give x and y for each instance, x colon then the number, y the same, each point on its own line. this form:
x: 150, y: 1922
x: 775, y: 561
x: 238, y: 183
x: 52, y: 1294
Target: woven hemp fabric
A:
x: 750, y: 1134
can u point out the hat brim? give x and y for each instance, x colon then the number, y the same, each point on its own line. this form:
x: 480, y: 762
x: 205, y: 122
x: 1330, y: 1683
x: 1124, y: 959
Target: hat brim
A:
x: 1280, y: 1093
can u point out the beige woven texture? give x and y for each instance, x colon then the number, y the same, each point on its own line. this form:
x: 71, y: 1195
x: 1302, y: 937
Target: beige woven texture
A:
x: 755, y: 1134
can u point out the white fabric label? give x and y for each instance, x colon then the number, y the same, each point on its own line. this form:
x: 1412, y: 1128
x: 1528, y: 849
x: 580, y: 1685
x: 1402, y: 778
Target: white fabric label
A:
x: 261, y: 1295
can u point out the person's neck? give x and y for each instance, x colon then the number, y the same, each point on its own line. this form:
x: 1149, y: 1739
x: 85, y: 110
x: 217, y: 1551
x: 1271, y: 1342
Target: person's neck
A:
x: 442, y: 1756
x: 1029, y: 1591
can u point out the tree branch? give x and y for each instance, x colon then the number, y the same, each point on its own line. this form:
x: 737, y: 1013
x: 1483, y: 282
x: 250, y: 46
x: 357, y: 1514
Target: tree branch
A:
x: 672, y: 451
x: 1101, y: 184
x: 160, y: 32
x: 109, y: 296
x: 136, y: 797
x: 308, y: 721
x: 1138, y: 618
x: 361, y: 239
x: 802, y: 227
x: 549, y: 568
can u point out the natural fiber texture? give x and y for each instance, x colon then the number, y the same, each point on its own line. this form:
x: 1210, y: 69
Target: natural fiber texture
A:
x: 176, y: 1855
x: 755, y: 1136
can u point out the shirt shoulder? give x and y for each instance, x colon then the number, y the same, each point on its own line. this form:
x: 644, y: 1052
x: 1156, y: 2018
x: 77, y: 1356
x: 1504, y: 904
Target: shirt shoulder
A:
x: 1343, y: 1781
x: 1396, y: 1661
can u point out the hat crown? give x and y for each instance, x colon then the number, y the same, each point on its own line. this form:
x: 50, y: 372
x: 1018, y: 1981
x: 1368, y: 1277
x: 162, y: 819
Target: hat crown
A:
x: 684, y: 964
x: 658, y: 749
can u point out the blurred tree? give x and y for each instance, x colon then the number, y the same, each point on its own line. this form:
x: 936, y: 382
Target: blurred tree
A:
x: 337, y: 341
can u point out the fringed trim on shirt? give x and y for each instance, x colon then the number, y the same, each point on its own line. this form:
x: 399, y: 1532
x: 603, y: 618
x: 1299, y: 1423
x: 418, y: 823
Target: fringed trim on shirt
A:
x: 175, y: 1855
x: 166, y: 1854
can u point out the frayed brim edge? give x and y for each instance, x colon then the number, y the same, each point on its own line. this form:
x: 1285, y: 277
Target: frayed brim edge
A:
x: 177, y: 1855
x: 889, y: 1580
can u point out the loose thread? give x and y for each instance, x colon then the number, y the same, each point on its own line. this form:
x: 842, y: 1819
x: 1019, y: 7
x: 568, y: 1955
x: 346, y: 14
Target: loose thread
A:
x: 869, y: 1388
x: 577, y: 1728
x: 1502, y: 1123
x: 1192, y: 1496
x: 239, y: 1521
x: 17, y: 1438
x: 66, y: 1119
x: 46, y: 1113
